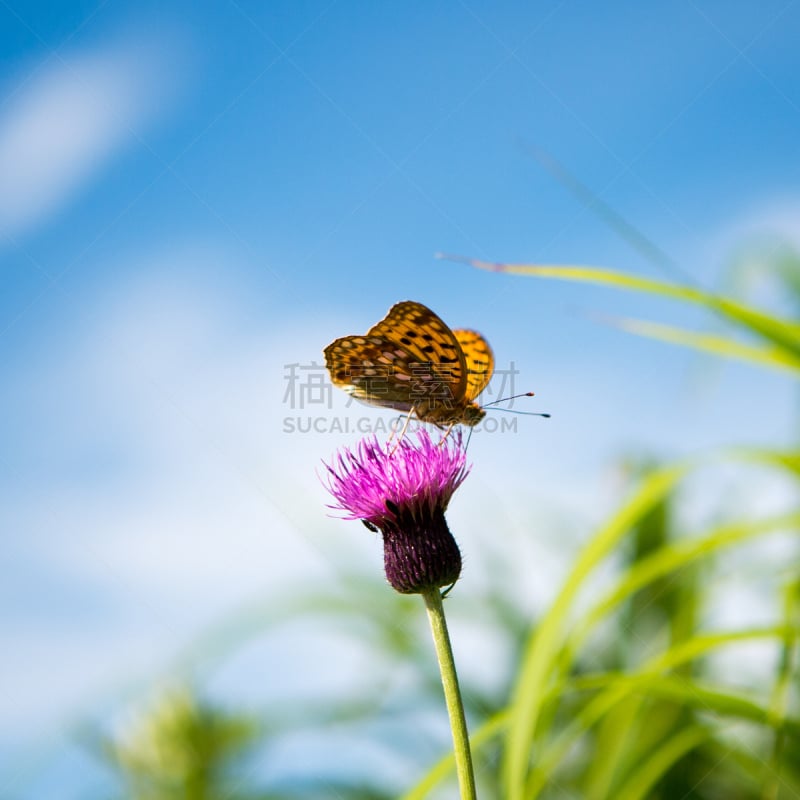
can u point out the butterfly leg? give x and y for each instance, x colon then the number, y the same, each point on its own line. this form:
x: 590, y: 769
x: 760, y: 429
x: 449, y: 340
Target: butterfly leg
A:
x: 403, y: 431
x: 395, y: 426
x: 447, y: 433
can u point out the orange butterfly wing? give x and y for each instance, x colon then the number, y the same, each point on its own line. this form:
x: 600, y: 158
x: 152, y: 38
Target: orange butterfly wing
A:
x: 479, y: 361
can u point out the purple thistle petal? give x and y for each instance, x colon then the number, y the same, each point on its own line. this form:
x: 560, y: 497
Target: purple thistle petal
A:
x: 411, y: 475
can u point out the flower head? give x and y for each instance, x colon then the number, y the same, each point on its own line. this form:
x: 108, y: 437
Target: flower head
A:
x: 403, y: 489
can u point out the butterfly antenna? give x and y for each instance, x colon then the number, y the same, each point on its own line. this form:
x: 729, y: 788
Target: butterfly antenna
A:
x: 513, y: 397
x: 524, y: 413
x: 466, y: 447
x: 512, y: 411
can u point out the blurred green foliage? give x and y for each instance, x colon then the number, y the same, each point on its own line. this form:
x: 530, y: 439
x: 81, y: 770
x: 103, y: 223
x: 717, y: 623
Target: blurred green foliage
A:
x: 621, y: 688
x: 180, y: 748
x: 665, y: 740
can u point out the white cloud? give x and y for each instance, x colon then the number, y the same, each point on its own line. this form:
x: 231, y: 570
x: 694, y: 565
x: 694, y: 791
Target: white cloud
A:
x: 62, y: 126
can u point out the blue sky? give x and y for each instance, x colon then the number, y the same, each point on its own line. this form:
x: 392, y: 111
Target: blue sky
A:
x: 193, y: 196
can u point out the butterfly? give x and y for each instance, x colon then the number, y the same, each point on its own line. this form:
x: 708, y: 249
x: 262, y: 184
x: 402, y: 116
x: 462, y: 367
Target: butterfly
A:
x: 411, y: 361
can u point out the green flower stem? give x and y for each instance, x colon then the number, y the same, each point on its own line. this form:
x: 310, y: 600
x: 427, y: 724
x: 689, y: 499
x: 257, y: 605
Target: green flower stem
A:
x: 452, y: 694
x: 780, y: 691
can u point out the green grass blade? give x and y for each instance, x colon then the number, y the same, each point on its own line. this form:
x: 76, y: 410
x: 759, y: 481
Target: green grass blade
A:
x: 667, y: 560
x: 788, y: 460
x: 770, y: 356
x: 702, y: 698
x: 701, y: 645
x: 446, y: 766
x: 750, y: 767
x: 682, y: 653
x: 641, y: 782
x: 601, y: 209
x: 545, y: 644
x: 616, y: 737
x: 781, y: 332
x: 779, y: 702
x: 551, y: 756
x: 613, y: 688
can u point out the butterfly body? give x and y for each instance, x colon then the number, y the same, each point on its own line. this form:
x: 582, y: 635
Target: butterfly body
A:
x: 411, y: 361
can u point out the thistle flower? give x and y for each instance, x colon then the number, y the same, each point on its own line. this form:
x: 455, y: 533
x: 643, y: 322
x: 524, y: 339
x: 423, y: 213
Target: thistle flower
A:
x: 402, y: 489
